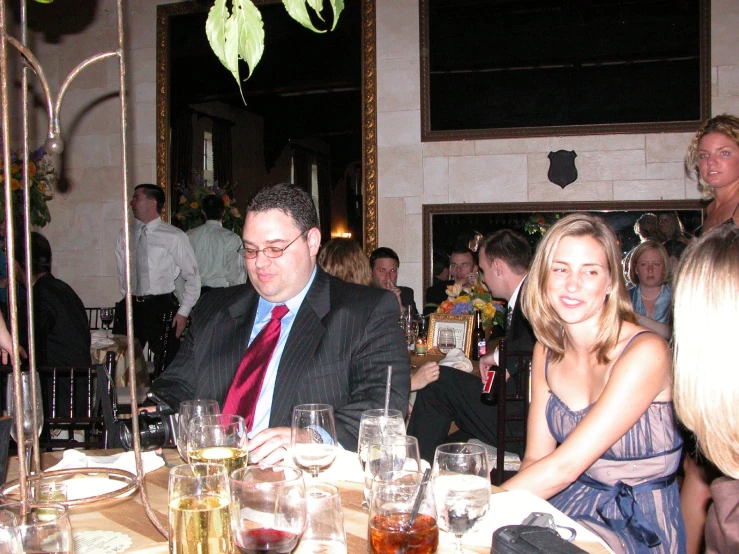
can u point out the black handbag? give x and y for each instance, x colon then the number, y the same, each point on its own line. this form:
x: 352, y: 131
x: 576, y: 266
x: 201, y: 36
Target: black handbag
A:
x: 529, y: 539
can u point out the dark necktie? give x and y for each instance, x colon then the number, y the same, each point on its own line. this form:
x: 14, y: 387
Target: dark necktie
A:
x: 244, y: 392
x: 142, y: 264
x: 508, y: 318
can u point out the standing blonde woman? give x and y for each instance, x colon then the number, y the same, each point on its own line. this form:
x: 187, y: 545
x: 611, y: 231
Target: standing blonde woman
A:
x: 603, y: 445
x: 707, y: 370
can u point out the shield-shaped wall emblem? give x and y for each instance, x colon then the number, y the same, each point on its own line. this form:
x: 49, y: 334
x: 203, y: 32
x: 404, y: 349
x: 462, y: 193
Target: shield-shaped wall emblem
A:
x: 562, y: 170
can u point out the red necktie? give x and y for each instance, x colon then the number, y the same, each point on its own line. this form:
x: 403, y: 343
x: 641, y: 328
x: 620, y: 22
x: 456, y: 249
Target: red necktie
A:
x: 244, y: 392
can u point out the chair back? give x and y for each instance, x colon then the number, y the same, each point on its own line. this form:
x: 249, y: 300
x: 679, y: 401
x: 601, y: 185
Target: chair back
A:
x: 514, y: 396
x: 93, y: 318
x: 162, y: 350
x: 5, y: 424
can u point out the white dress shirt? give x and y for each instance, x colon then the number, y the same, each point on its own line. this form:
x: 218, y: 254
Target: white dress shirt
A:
x: 216, y: 250
x: 169, y: 255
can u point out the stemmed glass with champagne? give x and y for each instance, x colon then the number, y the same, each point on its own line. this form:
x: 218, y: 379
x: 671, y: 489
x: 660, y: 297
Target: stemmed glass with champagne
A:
x: 461, y: 482
x: 219, y: 438
x: 27, y: 415
x: 190, y: 409
x: 313, y: 437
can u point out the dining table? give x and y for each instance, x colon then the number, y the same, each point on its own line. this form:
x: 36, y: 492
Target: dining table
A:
x: 123, y: 520
x: 103, y: 342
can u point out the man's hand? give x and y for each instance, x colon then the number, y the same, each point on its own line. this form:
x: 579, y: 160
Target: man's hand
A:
x: 486, y: 362
x: 179, y: 322
x: 427, y: 373
x: 270, y: 446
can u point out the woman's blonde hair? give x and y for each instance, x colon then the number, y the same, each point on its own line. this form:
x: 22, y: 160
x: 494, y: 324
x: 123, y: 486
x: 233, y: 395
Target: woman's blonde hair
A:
x: 345, y: 259
x: 727, y: 125
x: 641, y: 249
x: 706, y: 304
x: 547, y: 325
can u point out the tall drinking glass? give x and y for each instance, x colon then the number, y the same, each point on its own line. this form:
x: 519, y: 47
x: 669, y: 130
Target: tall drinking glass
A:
x: 324, y: 525
x: 268, y: 509
x: 446, y: 339
x: 313, y: 437
x: 219, y: 438
x: 188, y: 410
x: 461, y: 482
x: 387, y: 454
x: 35, y: 527
x: 199, y: 513
x: 28, y: 411
x: 374, y: 424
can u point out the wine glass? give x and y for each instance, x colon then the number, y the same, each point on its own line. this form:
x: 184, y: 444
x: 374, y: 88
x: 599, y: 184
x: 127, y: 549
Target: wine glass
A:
x: 188, y: 410
x: 313, y: 437
x: 446, y: 339
x: 106, y: 316
x: 199, y: 508
x: 461, y: 482
x: 387, y: 454
x: 374, y: 424
x: 28, y: 412
x: 268, y: 508
x: 35, y: 527
x: 219, y: 438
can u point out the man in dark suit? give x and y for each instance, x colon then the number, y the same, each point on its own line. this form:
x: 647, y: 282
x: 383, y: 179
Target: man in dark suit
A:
x: 384, y: 264
x: 455, y: 396
x: 334, y: 343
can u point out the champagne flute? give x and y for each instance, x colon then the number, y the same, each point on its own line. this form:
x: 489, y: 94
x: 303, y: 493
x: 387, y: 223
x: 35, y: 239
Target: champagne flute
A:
x: 106, y: 316
x: 268, y: 509
x: 190, y: 409
x: 461, y: 482
x: 199, y: 509
x: 28, y: 410
x: 219, y: 438
x: 35, y: 527
x: 313, y: 437
x: 374, y: 424
x: 387, y: 454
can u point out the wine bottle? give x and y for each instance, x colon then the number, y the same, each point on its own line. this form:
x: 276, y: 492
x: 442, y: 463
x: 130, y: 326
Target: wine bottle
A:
x: 479, y: 345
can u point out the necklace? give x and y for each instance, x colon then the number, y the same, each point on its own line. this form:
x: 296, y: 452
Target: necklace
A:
x: 653, y: 297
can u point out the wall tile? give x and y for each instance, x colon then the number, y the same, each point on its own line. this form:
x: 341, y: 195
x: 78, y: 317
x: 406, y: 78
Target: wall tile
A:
x: 488, y: 178
x: 579, y: 191
x: 410, y: 276
x: 667, y: 147
x: 723, y: 31
x: 513, y: 146
x: 666, y: 189
x: 397, y: 128
x: 398, y: 85
x: 608, y: 165
x: 538, y: 168
x: 728, y: 80
x: 397, y: 29
x: 413, y: 205
x: 729, y: 104
x: 598, y: 142
x: 435, y: 176
x: 692, y: 190
x: 143, y: 62
x: 669, y: 170
x: 391, y: 224
x: 400, y: 171
x: 449, y: 148
x: 413, y: 238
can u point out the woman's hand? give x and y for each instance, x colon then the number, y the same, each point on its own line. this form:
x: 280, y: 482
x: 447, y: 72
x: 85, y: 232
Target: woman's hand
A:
x: 427, y: 373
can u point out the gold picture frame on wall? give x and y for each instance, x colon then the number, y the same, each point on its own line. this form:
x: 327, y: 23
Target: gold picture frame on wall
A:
x: 460, y: 325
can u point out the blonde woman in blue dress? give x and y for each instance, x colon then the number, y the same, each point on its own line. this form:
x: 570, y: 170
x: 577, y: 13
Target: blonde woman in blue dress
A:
x: 603, y: 445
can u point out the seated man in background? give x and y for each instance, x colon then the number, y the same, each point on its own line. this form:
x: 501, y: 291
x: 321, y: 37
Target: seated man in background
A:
x: 436, y: 293
x: 384, y: 264
x: 455, y: 395
x: 463, y: 267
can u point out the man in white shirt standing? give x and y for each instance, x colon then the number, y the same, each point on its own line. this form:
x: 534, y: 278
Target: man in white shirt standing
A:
x: 160, y: 253
x: 216, y: 249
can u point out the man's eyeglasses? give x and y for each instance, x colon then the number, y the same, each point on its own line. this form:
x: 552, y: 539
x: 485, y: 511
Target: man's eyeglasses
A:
x: 269, y: 251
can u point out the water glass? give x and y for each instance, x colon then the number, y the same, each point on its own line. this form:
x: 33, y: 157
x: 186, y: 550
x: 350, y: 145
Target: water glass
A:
x: 387, y: 454
x: 313, y: 437
x: 35, y: 527
x: 446, y: 339
x: 199, y: 509
x: 268, y: 508
x: 324, y: 526
x: 219, y: 438
x: 188, y: 410
x: 393, y: 497
x: 374, y: 424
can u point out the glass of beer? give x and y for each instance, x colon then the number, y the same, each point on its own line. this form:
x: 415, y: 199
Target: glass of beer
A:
x: 35, y: 527
x: 268, y: 511
x: 199, y: 515
x: 219, y: 438
x: 391, y: 503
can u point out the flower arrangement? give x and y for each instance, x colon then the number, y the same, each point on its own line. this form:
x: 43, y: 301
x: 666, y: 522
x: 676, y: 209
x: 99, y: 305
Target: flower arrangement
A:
x: 539, y: 224
x: 465, y: 300
x: 189, y: 212
x: 42, y: 176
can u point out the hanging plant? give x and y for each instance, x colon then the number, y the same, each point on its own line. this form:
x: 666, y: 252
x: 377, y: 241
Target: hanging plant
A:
x: 238, y: 33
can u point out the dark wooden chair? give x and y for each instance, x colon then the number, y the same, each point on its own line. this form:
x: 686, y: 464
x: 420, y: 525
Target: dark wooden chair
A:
x: 514, y: 396
x: 93, y: 318
x: 159, y: 354
x: 5, y: 423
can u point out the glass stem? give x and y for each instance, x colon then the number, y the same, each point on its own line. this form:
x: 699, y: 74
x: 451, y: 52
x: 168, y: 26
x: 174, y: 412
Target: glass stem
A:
x: 459, y: 543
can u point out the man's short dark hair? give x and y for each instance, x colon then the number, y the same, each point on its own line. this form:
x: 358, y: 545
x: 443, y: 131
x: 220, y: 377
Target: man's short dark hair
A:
x: 289, y: 199
x: 509, y: 246
x: 40, y: 254
x: 440, y: 262
x: 383, y: 252
x: 153, y: 192
x: 465, y: 250
x: 213, y: 207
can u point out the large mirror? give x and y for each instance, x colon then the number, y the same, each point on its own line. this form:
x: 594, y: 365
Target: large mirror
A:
x: 445, y: 226
x: 309, y: 116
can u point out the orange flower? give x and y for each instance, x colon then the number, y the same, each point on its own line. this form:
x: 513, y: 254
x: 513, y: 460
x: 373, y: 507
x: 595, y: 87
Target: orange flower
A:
x: 226, y: 199
x: 15, y: 168
x: 31, y: 169
x: 14, y: 184
x: 194, y: 205
x: 446, y: 307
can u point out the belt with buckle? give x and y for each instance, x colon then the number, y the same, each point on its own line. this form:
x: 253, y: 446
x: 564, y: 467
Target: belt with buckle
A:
x: 146, y: 297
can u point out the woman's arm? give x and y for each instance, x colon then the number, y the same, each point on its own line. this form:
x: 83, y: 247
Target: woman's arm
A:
x: 664, y: 330
x: 638, y: 378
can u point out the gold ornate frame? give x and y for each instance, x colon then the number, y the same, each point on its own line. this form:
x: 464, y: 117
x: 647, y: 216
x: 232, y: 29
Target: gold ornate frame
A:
x: 435, y: 320
x: 369, y: 108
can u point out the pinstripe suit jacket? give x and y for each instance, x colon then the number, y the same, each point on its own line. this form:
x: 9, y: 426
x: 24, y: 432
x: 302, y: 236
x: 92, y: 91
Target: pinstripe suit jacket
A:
x: 342, y: 340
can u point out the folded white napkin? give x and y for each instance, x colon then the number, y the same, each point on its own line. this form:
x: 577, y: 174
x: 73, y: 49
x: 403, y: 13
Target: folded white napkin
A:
x: 99, y: 343
x: 99, y: 334
x: 511, y: 508
x: 455, y: 358
x: 125, y: 461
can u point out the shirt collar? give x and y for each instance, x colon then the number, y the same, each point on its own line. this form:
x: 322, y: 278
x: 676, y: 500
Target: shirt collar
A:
x: 214, y: 222
x: 264, y: 308
x: 514, y: 296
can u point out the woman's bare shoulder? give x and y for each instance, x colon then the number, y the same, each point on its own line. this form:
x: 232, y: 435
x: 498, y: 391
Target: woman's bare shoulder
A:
x: 640, y: 339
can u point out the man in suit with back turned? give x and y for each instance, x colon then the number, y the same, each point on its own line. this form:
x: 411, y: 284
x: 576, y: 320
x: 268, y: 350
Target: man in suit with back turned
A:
x: 455, y: 396
x: 291, y: 335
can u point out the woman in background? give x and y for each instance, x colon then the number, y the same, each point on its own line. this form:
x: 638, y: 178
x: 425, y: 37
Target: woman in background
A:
x: 345, y: 259
x: 603, y: 445
x: 707, y: 371
x: 651, y: 295
x: 676, y: 240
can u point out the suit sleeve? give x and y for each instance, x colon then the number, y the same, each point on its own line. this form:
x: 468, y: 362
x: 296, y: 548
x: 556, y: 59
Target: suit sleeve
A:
x: 381, y: 344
